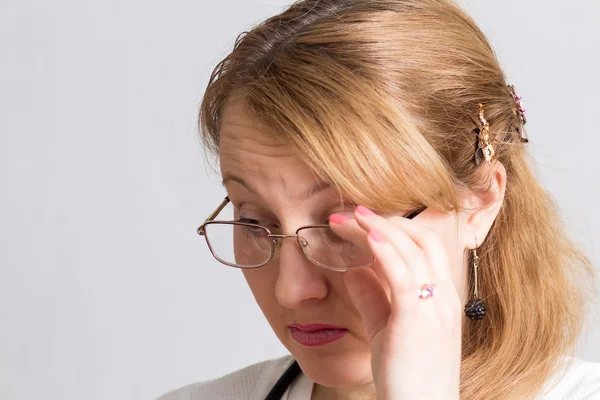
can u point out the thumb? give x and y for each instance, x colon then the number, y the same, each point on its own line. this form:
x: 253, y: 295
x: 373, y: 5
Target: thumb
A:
x: 369, y: 298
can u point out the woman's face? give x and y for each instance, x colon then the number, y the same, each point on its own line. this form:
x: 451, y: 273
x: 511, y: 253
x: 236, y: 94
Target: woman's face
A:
x: 266, y: 181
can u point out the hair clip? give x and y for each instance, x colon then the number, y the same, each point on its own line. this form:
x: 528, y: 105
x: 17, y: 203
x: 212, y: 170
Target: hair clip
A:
x: 484, y: 142
x: 520, y: 109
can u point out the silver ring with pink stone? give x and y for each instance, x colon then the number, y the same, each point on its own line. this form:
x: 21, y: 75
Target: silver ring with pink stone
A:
x: 426, y: 291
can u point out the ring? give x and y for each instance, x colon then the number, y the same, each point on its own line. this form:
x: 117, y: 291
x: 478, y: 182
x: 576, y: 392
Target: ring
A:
x: 426, y: 291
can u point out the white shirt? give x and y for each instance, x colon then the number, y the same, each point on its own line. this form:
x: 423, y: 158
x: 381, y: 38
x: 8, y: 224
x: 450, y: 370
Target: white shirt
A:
x: 581, y: 381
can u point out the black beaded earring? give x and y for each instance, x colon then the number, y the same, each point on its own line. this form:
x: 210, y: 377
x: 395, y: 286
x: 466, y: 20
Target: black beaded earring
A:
x: 475, y: 309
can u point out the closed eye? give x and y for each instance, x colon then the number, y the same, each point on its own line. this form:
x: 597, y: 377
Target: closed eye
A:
x: 252, y: 231
x: 248, y: 221
x: 264, y: 224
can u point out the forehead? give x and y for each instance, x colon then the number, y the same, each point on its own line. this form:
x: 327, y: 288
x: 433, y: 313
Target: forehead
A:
x: 250, y: 150
x: 240, y: 134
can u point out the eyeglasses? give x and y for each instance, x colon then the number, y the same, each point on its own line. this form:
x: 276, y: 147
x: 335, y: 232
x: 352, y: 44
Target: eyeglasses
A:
x: 245, y: 245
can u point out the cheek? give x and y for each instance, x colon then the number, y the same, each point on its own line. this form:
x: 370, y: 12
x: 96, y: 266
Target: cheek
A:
x: 262, y: 284
x: 250, y: 250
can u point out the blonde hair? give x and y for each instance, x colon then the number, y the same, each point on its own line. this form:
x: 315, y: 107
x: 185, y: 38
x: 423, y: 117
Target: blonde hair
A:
x: 380, y: 99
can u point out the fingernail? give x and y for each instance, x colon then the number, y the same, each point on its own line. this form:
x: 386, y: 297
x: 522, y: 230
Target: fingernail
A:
x: 338, y: 218
x: 364, y: 211
x: 376, y: 235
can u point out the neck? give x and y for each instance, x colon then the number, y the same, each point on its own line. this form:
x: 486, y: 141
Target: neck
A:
x: 366, y: 392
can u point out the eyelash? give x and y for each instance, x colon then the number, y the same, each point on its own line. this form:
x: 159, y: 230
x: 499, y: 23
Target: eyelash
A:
x: 249, y: 221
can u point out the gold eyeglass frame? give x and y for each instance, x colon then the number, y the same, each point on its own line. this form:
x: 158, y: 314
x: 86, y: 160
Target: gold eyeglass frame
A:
x: 210, y: 220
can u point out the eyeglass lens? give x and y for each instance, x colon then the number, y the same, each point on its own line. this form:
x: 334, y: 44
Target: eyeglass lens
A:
x: 248, y: 246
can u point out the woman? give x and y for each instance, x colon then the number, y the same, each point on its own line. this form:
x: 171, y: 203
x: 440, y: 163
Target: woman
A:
x: 427, y: 262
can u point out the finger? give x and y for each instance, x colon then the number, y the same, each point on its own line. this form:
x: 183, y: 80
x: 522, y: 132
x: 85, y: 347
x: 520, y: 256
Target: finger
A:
x: 430, y: 242
x: 437, y: 259
x: 348, y: 229
x: 392, y: 268
x: 369, y: 298
x: 413, y: 256
x: 410, y: 313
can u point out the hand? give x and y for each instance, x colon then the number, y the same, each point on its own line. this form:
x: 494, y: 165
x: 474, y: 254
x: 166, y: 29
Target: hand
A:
x: 415, y: 343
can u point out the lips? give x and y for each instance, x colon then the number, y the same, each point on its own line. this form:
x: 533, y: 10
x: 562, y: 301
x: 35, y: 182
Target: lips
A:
x: 316, y: 334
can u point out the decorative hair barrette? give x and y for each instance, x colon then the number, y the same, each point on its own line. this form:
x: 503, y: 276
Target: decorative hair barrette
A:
x: 484, y: 142
x: 520, y: 109
x: 484, y: 147
x: 518, y: 103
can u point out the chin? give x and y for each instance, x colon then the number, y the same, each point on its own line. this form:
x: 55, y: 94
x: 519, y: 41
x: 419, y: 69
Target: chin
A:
x: 344, y: 363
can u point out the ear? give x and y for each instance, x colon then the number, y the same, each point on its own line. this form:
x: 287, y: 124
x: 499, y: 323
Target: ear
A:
x: 480, y: 211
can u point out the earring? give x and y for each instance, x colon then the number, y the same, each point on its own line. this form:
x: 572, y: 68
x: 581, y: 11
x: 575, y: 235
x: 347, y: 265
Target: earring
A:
x: 475, y: 309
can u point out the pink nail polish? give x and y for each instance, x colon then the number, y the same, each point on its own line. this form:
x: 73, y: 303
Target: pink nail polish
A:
x: 376, y: 235
x: 338, y: 218
x: 364, y: 211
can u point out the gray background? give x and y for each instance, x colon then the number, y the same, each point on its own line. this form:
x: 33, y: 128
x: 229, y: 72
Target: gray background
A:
x: 106, y: 291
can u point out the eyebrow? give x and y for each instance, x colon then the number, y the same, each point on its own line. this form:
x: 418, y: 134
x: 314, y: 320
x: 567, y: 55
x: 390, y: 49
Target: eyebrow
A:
x: 311, y: 191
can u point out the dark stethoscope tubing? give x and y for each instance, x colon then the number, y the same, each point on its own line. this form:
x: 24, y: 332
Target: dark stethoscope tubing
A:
x: 286, y: 379
x: 284, y: 382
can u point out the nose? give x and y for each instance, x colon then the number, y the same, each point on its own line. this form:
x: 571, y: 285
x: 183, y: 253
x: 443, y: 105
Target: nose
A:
x: 299, y: 281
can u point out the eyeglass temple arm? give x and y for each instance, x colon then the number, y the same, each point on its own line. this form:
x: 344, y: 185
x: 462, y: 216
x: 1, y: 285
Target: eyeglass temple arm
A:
x: 213, y: 215
x: 413, y: 214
